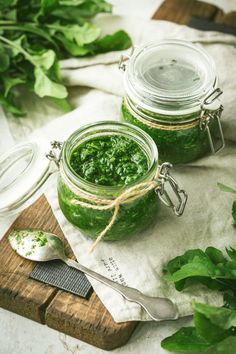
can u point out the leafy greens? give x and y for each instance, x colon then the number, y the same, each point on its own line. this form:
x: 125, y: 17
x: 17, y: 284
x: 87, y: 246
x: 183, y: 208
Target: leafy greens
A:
x: 36, y: 34
x: 214, y: 332
x: 215, y: 327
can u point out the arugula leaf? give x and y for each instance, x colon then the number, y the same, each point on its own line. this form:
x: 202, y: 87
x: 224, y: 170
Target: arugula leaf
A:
x: 185, y: 340
x: 119, y: 40
x: 48, y: 6
x: 87, y: 33
x: 72, y: 47
x: 44, y: 86
x: 225, y: 188
x: 227, y: 346
x: 45, y: 60
x: 9, y: 105
x: 210, y: 268
x: 4, y: 59
x: 223, y: 317
x: 10, y: 82
x: 214, y: 329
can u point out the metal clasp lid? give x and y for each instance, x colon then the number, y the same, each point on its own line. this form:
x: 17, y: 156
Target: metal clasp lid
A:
x: 55, y: 153
x: 122, y: 63
x: 209, y: 112
x: 182, y: 196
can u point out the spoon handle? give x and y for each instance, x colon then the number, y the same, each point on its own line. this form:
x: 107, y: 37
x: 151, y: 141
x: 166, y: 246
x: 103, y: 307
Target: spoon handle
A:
x: 158, y: 308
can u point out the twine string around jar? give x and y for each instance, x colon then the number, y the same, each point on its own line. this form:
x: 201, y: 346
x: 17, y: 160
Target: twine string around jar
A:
x: 90, y: 201
x: 164, y: 126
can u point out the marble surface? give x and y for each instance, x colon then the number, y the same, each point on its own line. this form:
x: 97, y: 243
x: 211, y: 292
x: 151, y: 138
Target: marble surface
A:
x: 22, y: 336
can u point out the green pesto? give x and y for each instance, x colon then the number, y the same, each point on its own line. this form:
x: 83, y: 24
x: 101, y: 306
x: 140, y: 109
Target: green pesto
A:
x: 175, y: 146
x: 132, y: 217
x: 109, y: 161
x: 20, y: 236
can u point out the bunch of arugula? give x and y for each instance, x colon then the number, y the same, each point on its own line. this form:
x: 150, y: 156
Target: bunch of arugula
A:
x: 215, y: 327
x: 36, y: 34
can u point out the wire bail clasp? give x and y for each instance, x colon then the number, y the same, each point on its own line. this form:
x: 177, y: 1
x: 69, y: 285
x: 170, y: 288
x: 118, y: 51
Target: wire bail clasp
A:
x: 209, y: 112
x: 123, y: 58
x: 55, y: 153
x: 182, y: 196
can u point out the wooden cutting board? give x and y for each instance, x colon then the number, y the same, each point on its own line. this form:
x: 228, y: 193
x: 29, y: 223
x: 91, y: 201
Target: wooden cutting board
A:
x: 87, y: 320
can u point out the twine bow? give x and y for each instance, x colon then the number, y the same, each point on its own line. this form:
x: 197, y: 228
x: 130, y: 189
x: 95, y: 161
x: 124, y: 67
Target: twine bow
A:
x: 97, y: 203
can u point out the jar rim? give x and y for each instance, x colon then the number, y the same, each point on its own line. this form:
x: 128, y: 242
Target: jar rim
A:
x: 169, y: 75
x: 102, y: 128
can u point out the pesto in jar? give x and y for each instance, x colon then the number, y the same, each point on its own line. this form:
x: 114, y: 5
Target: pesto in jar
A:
x: 171, y: 93
x: 175, y: 146
x: 109, y: 161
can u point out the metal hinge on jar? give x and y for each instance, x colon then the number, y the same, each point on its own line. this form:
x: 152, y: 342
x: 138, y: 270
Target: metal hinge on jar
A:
x: 55, y: 153
x: 124, y: 58
x: 210, y: 113
x: 182, y: 196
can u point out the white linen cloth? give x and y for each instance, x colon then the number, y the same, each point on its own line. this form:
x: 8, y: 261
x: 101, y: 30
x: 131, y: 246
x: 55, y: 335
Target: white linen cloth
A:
x: 207, y: 220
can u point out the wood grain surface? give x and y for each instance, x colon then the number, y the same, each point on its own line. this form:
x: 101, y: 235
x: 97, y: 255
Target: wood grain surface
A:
x: 87, y: 320
x: 181, y: 11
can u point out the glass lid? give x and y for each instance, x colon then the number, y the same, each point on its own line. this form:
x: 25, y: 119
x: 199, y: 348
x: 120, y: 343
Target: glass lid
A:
x: 23, y: 170
x: 169, y: 75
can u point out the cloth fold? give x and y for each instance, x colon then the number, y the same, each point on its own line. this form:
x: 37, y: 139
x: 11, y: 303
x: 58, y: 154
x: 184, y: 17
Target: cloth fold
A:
x: 207, y: 221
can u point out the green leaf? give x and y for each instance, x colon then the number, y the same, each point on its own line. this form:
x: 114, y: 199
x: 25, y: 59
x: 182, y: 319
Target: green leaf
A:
x: 192, y: 263
x: 210, y: 268
x: 223, y: 317
x: 10, y: 82
x: 229, y: 301
x: 214, y: 330
x: 86, y: 9
x: 10, y: 106
x: 62, y: 104
x: 234, y: 212
x: 40, y: 33
x: 72, y: 47
x: 231, y: 253
x: 208, y: 330
x: 45, y: 87
x: 225, y: 188
x: 215, y: 255
x: 87, y: 33
x: 45, y: 60
x: 119, y: 40
x: 48, y: 6
x: 19, y: 43
x: 4, y: 61
x: 185, y: 340
x: 71, y: 2
x: 227, y: 346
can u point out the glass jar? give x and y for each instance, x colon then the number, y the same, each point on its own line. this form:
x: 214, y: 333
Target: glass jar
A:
x: 171, y: 93
x: 74, y: 192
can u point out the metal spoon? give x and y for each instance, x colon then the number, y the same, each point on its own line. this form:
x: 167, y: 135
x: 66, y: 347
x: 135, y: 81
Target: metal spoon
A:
x: 41, y: 246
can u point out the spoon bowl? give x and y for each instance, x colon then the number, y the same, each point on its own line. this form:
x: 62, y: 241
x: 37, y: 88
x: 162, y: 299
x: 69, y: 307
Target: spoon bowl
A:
x: 37, y: 245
